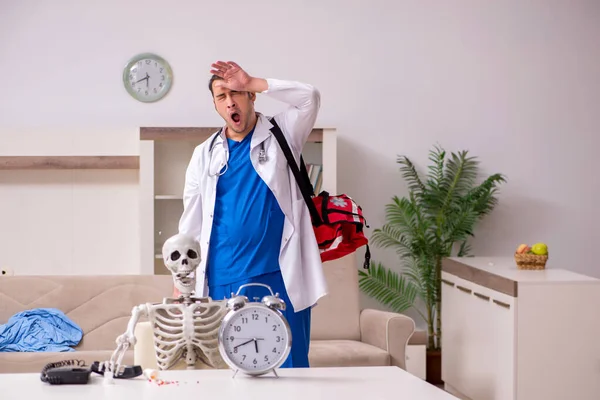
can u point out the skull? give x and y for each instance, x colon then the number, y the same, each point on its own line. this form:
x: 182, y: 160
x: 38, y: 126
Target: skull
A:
x: 181, y: 254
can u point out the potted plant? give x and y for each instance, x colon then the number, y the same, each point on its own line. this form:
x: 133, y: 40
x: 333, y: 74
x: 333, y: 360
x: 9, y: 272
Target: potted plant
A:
x: 435, y: 220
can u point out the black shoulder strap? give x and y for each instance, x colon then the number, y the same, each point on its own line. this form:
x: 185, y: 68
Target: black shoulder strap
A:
x: 302, y: 178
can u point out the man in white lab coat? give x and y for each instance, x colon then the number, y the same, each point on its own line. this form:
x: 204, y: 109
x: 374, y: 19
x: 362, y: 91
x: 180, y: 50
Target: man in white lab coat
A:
x: 242, y: 203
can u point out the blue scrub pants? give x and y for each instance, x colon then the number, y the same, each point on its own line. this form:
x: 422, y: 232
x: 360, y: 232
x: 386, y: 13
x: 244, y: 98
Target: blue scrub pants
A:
x: 299, y: 321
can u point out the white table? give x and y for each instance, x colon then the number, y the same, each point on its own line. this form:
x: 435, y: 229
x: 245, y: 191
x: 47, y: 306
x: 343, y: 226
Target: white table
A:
x: 345, y: 383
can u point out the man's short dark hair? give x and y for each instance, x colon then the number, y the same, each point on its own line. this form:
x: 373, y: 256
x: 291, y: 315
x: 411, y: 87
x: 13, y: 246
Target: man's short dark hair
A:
x: 210, y: 83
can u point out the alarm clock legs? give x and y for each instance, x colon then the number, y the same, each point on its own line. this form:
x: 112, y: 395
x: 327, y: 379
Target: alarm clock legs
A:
x: 273, y: 370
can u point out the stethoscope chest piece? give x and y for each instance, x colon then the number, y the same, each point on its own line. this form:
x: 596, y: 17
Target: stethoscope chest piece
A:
x: 262, y: 154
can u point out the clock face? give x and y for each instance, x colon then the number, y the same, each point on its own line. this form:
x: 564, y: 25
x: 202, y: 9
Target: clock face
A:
x: 255, y: 339
x: 147, y: 77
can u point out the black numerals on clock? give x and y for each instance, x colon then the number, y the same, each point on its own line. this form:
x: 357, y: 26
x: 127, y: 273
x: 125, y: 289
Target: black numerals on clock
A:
x: 254, y: 318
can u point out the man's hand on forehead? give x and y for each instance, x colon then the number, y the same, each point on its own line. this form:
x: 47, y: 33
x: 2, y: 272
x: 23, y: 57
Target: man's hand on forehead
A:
x: 235, y: 78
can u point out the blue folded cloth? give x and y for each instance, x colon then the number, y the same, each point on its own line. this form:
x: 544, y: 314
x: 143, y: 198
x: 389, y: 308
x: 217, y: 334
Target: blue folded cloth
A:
x: 39, y: 330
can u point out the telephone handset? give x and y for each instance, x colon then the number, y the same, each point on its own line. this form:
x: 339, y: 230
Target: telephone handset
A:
x: 74, y: 372
x: 67, y: 372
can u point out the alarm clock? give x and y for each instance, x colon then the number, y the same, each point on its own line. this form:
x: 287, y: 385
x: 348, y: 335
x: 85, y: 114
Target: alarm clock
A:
x: 254, y: 336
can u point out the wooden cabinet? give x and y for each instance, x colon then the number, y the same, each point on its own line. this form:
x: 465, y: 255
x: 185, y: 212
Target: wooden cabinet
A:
x: 478, y: 326
x: 512, y: 334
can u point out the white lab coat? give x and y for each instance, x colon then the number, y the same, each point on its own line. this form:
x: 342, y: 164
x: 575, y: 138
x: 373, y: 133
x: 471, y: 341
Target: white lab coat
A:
x: 299, y: 257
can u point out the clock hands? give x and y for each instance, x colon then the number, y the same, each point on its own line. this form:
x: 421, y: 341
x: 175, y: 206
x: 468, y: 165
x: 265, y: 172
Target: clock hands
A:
x: 147, y: 78
x: 255, y: 340
x: 241, y: 344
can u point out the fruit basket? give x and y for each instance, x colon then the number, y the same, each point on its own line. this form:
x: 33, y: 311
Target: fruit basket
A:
x: 531, y: 261
x: 532, y: 258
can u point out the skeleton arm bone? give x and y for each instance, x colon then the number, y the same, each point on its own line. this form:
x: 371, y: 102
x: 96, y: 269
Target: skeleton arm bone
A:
x: 137, y: 312
x: 128, y: 338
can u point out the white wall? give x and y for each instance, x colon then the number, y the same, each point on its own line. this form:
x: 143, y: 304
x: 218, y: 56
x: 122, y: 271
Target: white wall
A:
x: 514, y: 82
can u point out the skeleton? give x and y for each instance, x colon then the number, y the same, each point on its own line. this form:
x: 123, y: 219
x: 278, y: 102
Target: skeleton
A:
x: 184, y: 328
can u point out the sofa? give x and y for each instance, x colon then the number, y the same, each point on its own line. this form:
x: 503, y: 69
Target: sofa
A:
x: 342, y: 334
x: 99, y: 305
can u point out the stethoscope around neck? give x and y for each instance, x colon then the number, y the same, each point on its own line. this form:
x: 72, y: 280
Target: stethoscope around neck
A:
x: 262, y: 155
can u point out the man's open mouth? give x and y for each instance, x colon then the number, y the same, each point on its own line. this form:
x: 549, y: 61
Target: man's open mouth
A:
x: 235, y: 117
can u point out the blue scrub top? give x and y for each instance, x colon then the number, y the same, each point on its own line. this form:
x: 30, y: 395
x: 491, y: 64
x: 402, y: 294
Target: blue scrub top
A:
x: 247, y: 222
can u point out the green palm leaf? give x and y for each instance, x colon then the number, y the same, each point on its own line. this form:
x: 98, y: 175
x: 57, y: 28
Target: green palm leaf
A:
x: 464, y: 250
x: 388, y: 287
x: 459, y: 227
x: 390, y: 236
x: 410, y: 174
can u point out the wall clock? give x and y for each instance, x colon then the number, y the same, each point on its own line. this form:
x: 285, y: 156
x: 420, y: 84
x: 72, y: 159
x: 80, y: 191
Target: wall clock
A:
x: 147, y: 77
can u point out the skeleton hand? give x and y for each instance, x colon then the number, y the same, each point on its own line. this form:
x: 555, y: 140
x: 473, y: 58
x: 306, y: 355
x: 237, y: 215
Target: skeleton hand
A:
x: 126, y: 339
x: 123, y: 342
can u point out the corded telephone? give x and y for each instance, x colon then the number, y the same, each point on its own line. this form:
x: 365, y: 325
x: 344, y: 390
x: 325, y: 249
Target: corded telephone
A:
x: 73, y: 372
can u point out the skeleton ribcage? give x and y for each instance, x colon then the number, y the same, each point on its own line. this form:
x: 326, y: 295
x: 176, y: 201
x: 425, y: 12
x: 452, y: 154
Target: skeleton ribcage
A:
x: 179, y: 328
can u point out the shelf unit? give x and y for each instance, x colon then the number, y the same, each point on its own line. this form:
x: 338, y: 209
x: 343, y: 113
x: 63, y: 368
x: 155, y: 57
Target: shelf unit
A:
x: 68, y: 162
x: 164, y: 156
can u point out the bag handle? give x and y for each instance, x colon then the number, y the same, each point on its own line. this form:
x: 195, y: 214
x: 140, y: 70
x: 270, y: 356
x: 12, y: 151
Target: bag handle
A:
x: 302, y: 178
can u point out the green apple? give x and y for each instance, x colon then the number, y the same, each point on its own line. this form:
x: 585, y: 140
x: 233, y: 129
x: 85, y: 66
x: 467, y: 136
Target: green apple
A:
x: 540, y: 249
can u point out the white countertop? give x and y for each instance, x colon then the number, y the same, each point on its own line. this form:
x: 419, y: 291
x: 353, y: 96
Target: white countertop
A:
x: 506, y: 267
x: 344, y: 383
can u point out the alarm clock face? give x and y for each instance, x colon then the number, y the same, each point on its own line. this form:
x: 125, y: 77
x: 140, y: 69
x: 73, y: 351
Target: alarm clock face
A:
x: 255, y: 339
x: 147, y: 77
